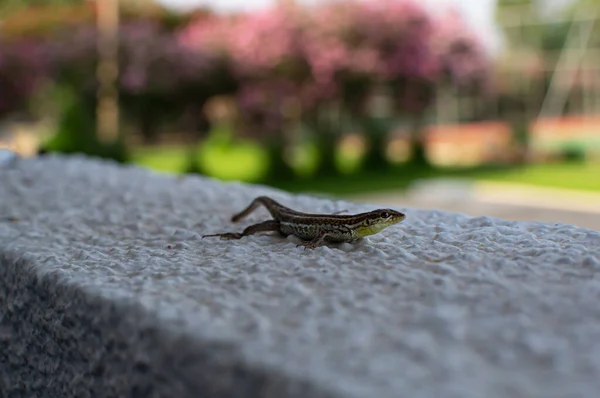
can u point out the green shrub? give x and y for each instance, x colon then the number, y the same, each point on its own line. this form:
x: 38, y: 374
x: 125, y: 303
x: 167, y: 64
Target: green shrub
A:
x: 76, y: 133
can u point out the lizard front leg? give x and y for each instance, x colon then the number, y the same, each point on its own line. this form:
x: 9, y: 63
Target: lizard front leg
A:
x: 265, y: 226
x: 316, y: 241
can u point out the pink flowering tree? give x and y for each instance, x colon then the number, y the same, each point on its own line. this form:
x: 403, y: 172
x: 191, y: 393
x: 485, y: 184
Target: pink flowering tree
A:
x: 463, y: 60
x: 336, y: 53
x: 388, y: 42
x: 161, y: 80
x: 399, y: 44
x: 265, y: 55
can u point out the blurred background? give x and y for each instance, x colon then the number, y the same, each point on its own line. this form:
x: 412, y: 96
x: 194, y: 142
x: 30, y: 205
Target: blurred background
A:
x: 486, y: 107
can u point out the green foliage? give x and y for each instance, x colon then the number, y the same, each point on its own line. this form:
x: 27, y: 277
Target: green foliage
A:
x: 10, y: 5
x: 554, y: 35
x: 25, y: 3
x: 235, y: 164
x: 76, y: 133
x: 227, y: 158
x: 573, y: 153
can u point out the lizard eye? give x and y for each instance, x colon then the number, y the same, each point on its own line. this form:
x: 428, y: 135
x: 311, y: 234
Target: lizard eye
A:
x: 385, y: 214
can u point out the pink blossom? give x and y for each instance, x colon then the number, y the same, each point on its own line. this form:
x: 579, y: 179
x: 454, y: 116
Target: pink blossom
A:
x: 316, y: 51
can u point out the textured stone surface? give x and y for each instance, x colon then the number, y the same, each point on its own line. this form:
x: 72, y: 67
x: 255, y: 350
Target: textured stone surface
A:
x: 106, y: 289
x: 7, y: 158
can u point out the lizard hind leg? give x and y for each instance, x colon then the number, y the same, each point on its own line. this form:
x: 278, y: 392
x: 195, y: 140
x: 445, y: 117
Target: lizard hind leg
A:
x: 272, y: 206
x: 265, y: 226
x: 251, y: 207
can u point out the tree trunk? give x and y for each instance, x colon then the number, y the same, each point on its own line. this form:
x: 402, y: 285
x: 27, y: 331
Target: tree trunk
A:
x: 325, y: 134
x: 279, y: 168
x: 327, y: 145
x: 520, y: 135
x: 198, y: 124
x: 417, y: 142
x: 148, y: 128
x: 377, y: 134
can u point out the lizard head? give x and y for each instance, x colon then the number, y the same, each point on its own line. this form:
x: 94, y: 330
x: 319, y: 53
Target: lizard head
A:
x: 376, y: 220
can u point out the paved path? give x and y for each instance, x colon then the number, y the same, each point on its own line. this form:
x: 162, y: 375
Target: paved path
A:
x: 507, y: 201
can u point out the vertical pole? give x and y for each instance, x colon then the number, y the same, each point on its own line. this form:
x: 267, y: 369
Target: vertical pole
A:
x: 107, y: 111
x: 569, y: 63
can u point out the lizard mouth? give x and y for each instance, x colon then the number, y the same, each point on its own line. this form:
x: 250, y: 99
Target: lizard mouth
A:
x: 378, y: 227
x: 394, y: 219
x: 399, y: 217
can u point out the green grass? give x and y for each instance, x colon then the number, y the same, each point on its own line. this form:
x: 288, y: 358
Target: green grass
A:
x: 581, y: 176
x: 165, y: 158
x: 218, y: 157
x: 221, y: 157
x: 246, y: 161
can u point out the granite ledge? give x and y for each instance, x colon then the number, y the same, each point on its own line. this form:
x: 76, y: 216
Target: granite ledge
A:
x: 107, y: 290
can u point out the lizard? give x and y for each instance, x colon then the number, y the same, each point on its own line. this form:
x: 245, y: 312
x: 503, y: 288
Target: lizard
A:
x: 313, y: 229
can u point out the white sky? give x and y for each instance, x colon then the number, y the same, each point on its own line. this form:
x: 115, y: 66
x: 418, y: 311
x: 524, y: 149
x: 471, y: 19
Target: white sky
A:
x: 479, y: 13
